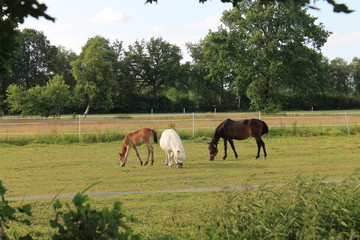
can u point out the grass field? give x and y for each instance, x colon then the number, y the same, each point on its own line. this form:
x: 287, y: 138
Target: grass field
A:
x: 69, y: 168
x: 50, y: 168
x: 36, y: 167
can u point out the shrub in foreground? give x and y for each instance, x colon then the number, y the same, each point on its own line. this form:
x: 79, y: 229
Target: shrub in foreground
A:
x: 314, y: 210
x: 84, y: 222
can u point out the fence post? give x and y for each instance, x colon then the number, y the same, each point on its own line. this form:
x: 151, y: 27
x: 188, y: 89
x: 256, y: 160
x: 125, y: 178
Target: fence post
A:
x: 259, y: 115
x: 347, y: 123
x: 79, y: 129
x: 193, y: 128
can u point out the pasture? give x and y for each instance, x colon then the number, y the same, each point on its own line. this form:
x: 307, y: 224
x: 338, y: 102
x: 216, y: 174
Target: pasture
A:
x: 37, y: 169
x: 34, y: 168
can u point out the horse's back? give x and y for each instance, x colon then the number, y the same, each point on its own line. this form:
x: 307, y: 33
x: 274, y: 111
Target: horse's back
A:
x: 170, y: 140
x: 242, y: 129
x: 139, y: 136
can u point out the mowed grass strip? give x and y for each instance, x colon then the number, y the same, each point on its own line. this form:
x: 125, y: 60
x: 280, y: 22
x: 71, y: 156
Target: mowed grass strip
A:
x: 38, y: 169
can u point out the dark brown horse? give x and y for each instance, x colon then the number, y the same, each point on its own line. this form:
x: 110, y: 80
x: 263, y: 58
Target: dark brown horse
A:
x: 238, y: 130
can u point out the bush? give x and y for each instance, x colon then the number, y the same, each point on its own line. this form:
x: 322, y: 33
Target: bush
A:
x: 314, y: 210
x: 10, y: 214
x: 84, y: 222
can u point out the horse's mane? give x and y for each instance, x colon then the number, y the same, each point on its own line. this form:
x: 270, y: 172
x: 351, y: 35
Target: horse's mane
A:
x: 217, y: 133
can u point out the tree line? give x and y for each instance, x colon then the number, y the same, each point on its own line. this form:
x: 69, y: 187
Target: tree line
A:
x: 264, y: 56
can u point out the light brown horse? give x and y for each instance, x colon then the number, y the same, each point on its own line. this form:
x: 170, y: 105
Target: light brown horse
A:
x: 137, y: 138
x: 239, y: 130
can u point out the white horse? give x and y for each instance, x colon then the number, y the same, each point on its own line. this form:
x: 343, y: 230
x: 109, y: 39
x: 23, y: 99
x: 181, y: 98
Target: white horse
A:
x: 171, y: 143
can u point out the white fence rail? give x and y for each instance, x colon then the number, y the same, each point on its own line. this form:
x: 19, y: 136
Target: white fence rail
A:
x: 191, y: 122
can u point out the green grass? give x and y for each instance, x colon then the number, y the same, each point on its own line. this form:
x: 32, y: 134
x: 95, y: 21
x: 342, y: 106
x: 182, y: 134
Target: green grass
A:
x: 36, y: 168
x: 50, y: 168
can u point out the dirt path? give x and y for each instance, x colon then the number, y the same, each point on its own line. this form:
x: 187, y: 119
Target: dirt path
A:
x: 185, y: 190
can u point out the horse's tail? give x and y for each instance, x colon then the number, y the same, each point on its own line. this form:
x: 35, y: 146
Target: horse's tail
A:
x: 154, y: 135
x: 265, y: 129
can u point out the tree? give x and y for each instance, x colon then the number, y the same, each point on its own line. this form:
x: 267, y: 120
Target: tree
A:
x: 155, y: 66
x: 94, y: 75
x: 340, y: 83
x: 34, y: 63
x: 62, y: 65
x: 268, y: 56
x: 124, y: 90
x: 45, y: 101
x: 212, y: 75
x: 355, y: 76
x: 291, y: 3
x: 11, y: 14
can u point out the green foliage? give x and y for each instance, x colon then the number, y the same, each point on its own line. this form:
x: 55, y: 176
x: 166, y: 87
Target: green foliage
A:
x: 299, y: 210
x: 34, y: 61
x: 49, y: 100
x: 262, y: 55
x: 8, y: 214
x: 94, y: 75
x: 11, y: 14
x: 304, y: 210
x: 338, y: 7
x: 84, y: 222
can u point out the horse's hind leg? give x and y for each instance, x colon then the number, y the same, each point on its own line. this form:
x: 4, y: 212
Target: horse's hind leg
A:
x: 233, y: 147
x: 259, y: 144
x: 138, y: 155
x: 150, y: 151
x: 263, y: 146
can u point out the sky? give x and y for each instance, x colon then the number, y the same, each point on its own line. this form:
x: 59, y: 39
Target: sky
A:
x: 175, y: 21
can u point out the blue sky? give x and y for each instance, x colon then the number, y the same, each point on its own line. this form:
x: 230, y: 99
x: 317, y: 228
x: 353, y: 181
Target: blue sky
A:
x: 176, y: 21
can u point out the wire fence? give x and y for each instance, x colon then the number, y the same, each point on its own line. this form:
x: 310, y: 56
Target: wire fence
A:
x: 79, y: 125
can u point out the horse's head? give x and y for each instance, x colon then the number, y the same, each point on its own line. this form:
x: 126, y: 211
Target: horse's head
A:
x: 122, y: 159
x: 179, y: 159
x: 213, y: 150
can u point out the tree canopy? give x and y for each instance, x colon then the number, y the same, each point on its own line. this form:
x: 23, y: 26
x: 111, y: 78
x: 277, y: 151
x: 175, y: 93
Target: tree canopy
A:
x: 337, y: 7
x: 11, y: 14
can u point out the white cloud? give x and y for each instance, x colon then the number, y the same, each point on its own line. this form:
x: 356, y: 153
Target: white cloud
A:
x: 344, y: 39
x: 160, y: 30
x: 108, y: 15
x: 208, y: 23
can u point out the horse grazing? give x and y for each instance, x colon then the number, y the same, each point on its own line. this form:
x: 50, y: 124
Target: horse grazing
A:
x: 239, y: 130
x: 137, y: 138
x: 171, y: 143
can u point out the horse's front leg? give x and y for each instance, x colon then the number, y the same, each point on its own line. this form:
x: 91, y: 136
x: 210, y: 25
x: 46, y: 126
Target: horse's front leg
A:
x: 225, y: 148
x: 125, y: 157
x: 138, y: 155
x: 233, y: 147
x: 167, y: 157
x: 171, y: 156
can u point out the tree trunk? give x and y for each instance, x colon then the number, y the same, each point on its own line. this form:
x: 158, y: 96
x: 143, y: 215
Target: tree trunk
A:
x: 86, y: 111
